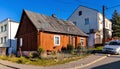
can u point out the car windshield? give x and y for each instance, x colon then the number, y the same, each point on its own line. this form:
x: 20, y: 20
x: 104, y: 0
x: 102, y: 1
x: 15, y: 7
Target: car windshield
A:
x: 114, y: 43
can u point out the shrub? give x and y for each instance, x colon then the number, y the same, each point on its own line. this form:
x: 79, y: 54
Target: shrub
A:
x: 31, y: 55
x: 40, y: 50
x: 70, y: 48
x: 64, y: 49
x: 79, y: 48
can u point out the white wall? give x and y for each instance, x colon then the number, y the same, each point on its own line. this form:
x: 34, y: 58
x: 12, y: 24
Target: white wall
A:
x: 108, y: 24
x: 13, y: 27
x: 80, y: 20
x: 12, y: 30
x: 4, y: 33
x: 95, y: 22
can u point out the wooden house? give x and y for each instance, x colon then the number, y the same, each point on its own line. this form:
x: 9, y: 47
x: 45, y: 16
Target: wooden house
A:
x: 36, y: 30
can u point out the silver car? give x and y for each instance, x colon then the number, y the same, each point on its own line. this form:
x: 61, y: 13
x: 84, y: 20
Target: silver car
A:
x: 112, y: 47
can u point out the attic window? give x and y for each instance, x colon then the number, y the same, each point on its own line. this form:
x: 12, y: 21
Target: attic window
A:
x: 80, y: 13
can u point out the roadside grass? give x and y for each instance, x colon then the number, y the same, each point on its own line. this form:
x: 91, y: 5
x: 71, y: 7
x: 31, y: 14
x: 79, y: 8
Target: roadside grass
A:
x: 67, y: 55
x: 43, y: 62
x: 98, y: 48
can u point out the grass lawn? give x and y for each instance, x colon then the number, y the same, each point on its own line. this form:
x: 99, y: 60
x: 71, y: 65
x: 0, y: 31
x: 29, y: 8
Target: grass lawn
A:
x: 42, y: 62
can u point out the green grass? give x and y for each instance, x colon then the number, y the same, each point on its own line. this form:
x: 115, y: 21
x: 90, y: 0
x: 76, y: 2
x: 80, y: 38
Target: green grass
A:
x: 98, y: 48
x: 42, y: 62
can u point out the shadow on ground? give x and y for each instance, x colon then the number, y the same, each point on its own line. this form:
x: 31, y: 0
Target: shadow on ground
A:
x: 9, y: 66
x: 113, y: 65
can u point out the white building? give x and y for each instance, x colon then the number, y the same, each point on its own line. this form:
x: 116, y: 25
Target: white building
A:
x: 8, y: 29
x: 91, y: 22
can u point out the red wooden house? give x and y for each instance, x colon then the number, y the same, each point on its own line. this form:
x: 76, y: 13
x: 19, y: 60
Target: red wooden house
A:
x: 47, y: 32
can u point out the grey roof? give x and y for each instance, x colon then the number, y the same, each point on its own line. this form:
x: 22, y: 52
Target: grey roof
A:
x: 52, y: 24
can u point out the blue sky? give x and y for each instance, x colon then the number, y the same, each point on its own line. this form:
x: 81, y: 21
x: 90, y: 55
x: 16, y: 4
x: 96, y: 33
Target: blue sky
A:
x: 62, y: 8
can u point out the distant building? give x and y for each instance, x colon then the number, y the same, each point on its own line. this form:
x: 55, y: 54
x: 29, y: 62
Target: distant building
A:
x: 91, y: 22
x: 8, y: 30
x: 51, y: 34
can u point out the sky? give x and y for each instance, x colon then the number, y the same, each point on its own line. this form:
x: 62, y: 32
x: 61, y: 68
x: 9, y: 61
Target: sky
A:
x: 62, y: 8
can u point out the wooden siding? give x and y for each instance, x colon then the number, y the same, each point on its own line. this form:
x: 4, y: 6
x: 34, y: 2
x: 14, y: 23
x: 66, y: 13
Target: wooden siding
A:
x: 28, y: 33
x: 47, y: 41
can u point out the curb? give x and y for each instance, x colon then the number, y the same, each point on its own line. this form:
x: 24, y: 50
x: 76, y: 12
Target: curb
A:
x: 81, y: 66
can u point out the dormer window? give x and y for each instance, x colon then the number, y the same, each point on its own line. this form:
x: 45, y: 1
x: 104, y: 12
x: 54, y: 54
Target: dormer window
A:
x: 80, y: 13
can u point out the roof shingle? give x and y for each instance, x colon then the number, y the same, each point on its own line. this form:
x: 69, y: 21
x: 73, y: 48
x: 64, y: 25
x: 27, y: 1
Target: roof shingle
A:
x: 52, y: 24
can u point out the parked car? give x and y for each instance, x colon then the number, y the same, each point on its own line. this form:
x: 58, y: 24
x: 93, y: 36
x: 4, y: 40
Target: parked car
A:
x: 113, y: 47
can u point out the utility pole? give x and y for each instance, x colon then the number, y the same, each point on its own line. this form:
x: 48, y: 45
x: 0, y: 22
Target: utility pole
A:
x: 103, y: 9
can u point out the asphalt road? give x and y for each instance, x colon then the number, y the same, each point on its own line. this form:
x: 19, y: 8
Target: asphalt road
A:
x: 5, y: 67
x: 111, y: 62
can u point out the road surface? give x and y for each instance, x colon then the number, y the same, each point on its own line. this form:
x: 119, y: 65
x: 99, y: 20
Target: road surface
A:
x: 6, y: 67
x: 111, y: 62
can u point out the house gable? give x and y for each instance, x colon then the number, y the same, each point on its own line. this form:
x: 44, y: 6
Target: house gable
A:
x: 27, y: 31
x: 25, y: 26
x: 86, y: 14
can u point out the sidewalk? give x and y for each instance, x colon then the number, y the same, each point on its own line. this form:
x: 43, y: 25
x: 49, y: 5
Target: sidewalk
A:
x: 72, y: 65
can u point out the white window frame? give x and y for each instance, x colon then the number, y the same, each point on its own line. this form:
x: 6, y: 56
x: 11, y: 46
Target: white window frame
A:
x: 82, y: 41
x: 55, y: 40
x: 21, y: 42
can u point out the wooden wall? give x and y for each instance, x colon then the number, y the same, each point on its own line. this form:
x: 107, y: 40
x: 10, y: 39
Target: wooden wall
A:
x: 28, y: 33
x: 47, y: 41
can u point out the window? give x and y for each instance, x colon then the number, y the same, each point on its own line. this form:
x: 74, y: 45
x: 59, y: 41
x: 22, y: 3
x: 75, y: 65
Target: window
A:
x: 109, y: 26
x: 56, y: 40
x: 21, y: 42
x: 5, y: 27
x: 1, y: 28
x: 74, y: 22
x: 86, y: 21
x: 5, y: 39
x: 1, y: 40
x: 106, y: 24
x: 82, y: 41
x: 80, y: 13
